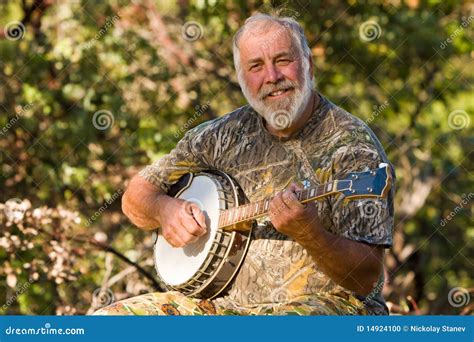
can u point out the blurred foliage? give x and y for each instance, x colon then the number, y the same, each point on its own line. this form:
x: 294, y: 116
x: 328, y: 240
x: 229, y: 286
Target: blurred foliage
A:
x: 137, y: 62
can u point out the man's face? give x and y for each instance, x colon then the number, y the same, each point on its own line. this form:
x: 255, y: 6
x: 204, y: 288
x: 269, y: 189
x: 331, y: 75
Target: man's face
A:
x: 273, y: 78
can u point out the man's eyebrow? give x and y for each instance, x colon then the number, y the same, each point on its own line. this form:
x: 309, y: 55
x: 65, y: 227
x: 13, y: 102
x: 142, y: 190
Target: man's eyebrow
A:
x: 282, y: 54
x: 278, y: 55
x: 254, y: 60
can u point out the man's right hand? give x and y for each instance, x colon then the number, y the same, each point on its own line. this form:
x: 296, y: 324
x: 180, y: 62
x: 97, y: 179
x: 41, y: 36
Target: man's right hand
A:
x: 182, y: 222
x: 148, y: 207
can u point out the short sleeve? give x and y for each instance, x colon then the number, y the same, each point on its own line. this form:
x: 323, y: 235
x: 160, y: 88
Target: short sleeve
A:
x: 184, y: 158
x: 364, y: 220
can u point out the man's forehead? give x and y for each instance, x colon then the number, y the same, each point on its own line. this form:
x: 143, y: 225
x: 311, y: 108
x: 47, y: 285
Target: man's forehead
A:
x: 257, y: 43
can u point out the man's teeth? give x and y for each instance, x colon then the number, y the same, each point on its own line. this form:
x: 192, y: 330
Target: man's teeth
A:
x: 278, y: 92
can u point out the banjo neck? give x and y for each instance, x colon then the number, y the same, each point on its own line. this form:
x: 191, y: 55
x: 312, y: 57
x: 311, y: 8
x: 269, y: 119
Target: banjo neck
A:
x: 371, y: 184
x: 251, y: 211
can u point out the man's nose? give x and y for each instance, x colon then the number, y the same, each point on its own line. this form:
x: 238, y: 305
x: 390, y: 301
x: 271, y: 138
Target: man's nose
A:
x: 273, y: 74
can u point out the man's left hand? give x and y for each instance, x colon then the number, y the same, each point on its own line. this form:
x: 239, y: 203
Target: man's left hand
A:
x: 292, y: 218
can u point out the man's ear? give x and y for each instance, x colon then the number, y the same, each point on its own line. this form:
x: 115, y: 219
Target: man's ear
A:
x: 310, y: 58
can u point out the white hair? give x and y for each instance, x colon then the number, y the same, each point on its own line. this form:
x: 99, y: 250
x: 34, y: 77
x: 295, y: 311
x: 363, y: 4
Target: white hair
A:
x: 290, y: 25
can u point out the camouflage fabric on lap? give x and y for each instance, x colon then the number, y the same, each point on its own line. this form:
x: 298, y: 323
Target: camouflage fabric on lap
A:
x: 175, y: 303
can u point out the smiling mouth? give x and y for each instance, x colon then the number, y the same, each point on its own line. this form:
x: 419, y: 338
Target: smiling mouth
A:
x: 279, y: 92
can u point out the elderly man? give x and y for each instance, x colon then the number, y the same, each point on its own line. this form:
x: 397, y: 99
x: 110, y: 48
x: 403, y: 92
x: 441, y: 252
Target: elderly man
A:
x: 320, y: 258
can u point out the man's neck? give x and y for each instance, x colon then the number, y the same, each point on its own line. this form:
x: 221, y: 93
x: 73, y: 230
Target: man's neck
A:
x: 295, y: 126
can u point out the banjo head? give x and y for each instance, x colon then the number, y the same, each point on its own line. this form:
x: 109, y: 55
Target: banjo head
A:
x: 175, y: 265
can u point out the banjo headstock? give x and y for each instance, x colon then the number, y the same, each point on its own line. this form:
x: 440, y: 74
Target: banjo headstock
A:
x: 373, y: 183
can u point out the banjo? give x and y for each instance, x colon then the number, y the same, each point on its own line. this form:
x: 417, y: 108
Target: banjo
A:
x: 206, y: 267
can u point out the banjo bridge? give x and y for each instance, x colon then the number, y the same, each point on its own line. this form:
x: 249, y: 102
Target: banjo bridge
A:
x: 239, y: 227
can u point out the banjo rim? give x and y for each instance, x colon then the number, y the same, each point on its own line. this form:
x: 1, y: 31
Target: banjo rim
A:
x: 237, y: 245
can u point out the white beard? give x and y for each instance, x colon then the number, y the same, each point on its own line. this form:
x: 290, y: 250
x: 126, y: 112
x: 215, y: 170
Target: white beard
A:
x: 282, y: 113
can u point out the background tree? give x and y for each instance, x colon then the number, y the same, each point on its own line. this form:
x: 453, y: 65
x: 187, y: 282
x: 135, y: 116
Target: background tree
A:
x: 91, y: 92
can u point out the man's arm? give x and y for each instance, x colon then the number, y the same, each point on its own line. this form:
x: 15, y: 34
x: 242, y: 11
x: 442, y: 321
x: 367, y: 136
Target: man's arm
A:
x: 141, y: 202
x: 148, y: 207
x: 354, y: 265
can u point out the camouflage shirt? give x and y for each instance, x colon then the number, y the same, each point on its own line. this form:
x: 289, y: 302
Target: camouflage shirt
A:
x: 331, y: 144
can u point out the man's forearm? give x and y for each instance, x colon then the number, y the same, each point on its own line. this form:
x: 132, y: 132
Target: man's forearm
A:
x: 141, y: 203
x: 351, y: 264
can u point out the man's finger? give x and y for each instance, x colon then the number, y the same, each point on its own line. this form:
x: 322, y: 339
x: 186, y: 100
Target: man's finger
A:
x: 290, y: 199
x: 295, y: 187
x: 199, y: 217
x: 277, y: 205
x: 192, y: 227
x: 185, y: 230
x: 174, y: 240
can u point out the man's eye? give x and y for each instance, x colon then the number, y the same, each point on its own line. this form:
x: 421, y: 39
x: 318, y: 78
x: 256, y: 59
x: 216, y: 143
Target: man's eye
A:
x: 255, y: 67
x: 283, y: 61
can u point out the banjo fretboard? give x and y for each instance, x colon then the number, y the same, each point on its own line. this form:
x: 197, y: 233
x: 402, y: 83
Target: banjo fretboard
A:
x: 257, y: 209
